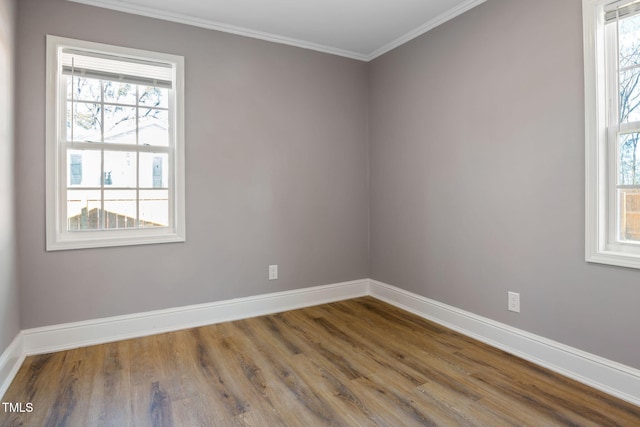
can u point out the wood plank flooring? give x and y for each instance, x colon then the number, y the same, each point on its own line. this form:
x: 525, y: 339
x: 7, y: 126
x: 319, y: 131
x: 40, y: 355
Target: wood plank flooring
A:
x: 353, y: 363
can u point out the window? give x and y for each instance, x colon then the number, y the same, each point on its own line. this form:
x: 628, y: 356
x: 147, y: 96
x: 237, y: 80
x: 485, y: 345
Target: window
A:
x: 115, y: 146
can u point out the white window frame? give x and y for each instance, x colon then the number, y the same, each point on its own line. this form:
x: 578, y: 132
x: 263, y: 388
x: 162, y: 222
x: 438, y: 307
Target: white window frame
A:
x: 57, y: 235
x: 601, y: 141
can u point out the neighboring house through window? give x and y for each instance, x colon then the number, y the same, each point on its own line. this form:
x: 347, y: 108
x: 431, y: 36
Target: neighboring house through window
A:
x: 115, y: 146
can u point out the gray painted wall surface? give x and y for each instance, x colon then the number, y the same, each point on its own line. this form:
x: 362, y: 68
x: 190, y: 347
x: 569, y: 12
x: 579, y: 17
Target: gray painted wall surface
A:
x: 477, y: 176
x: 9, y: 306
x: 276, y: 172
x: 476, y: 135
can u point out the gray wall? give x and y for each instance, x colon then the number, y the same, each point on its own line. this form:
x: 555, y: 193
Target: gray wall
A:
x: 477, y: 176
x: 473, y: 134
x: 276, y: 172
x: 9, y: 315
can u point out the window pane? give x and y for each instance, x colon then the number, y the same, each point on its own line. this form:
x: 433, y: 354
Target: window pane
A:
x: 629, y: 214
x: 119, y: 93
x: 629, y: 41
x: 630, y: 95
x: 154, y: 208
x: 83, y: 168
x: 120, y: 169
x: 151, y: 96
x: 120, y: 208
x: 85, y: 119
x: 83, y: 89
x: 153, y: 127
x: 120, y: 124
x: 154, y: 170
x: 83, y: 210
x: 628, y: 168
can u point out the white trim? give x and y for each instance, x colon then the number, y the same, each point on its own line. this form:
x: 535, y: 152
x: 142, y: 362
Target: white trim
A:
x: 10, y: 361
x: 151, y: 12
x: 601, y: 209
x: 247, y: 32
x: 606, y: 375
x: 427, y: 26
x: 57, y: 237
x: 98, y: 331
x: 595, y: 233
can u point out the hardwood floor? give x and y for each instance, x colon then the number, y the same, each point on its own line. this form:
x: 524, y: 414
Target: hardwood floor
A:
x: 354, y: 363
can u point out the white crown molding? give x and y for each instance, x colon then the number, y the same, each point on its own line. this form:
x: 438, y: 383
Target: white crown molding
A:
x: 275, y: 38
x: 606, y: 375
x: 427, y: 26
x: 219, y: 26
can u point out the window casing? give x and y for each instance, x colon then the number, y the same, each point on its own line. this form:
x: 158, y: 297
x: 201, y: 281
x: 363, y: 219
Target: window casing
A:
x: 612, y: 131
x: 115, y: 146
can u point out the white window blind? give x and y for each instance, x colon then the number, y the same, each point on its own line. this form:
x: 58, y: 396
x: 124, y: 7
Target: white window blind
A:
x: 621, y: 9
x: 117, y: 68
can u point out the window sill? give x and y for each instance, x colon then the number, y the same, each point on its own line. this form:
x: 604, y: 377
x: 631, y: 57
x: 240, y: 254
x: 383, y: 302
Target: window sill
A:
x: 620, y: 259
x: 112, y: 238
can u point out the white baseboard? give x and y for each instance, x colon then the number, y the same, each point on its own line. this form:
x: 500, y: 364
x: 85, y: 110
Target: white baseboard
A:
x: 98, y: 331
x: 10, y: 361
x: 608, y: 376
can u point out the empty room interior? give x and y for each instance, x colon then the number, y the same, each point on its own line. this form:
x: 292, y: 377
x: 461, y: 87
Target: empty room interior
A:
x: 319, y: 213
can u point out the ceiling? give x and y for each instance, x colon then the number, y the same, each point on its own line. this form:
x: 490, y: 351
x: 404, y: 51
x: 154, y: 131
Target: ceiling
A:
x: 359, y: 29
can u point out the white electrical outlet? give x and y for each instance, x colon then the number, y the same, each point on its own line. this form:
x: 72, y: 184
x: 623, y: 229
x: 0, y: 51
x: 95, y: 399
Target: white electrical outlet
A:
x: 514, y: 302
x: 273, y: 272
